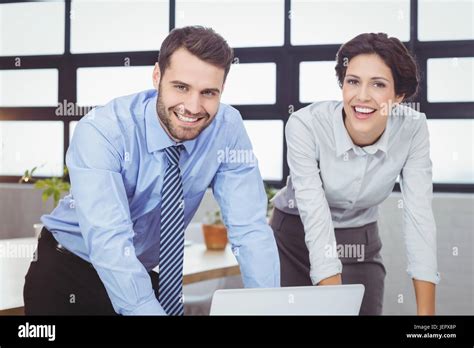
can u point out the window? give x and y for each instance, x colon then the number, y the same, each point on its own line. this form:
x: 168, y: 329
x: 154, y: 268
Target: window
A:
x: 28, y: 144
x: 443, y: 20
x: 285, y: 57
x: 118, y: 26
x: 450, y: 79
x: 321, y: 22
x: 243, y: 23
x: 267, y: 142
x: 253, y: 83
x: 72, y: 127
x: 452, y: 147
x: 318, y: 82
x: 97, y: 86
x: 29, y: 87
x: 31, y: 29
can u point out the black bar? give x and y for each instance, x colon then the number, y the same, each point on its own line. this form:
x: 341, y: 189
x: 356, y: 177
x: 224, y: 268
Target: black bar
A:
x: 241, y: 330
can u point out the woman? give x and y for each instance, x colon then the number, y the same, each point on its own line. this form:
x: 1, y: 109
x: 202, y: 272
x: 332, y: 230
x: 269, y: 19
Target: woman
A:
x: 344, y: 159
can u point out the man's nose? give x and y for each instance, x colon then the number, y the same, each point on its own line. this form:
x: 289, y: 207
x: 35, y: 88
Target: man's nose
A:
x: 193, y: 104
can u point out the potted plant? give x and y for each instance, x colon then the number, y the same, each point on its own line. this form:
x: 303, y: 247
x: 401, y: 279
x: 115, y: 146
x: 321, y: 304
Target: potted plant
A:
x: 52, y: 187
x: 271, y: 192
x: 215, y: 232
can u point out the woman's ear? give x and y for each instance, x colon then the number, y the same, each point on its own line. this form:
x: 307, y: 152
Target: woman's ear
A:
x: 156, y: 76
x: 399, y: 98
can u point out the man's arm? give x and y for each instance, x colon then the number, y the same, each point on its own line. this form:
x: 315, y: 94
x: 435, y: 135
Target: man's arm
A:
x: 238, y: 188
x: 101, y: 205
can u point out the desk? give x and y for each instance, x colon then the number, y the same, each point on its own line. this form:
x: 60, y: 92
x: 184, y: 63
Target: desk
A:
x: 16, y: 254
x: 202, y: 264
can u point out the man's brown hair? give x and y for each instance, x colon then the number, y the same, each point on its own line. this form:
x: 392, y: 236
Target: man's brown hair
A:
x: 202, y: 42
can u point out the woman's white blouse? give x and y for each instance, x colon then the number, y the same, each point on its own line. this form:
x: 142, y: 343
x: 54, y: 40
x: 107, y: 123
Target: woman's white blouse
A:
x: 336, y: 184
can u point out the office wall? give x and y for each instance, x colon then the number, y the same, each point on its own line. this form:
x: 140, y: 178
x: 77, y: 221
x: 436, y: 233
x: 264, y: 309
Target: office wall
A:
x: 20, y: 207
x: 454, y: 215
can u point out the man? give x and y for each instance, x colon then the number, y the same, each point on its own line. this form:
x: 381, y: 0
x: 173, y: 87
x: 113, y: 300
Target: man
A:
x: 139, y: 167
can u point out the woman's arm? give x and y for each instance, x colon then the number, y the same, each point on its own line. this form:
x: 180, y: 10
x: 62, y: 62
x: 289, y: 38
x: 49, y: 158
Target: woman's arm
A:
x: 425, y: 297
x: 334, y: 280
x: 418, y: 221
x: 303, y: 154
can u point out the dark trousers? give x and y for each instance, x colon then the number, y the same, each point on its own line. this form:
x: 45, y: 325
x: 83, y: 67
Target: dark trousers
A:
x: 295, y: 265
x: 60, y: 283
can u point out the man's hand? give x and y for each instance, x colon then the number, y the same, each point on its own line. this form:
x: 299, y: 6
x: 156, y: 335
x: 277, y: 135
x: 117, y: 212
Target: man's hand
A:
x: 333, y: 280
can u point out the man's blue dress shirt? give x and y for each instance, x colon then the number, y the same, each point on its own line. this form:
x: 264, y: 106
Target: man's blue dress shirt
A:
x: 111, y: 218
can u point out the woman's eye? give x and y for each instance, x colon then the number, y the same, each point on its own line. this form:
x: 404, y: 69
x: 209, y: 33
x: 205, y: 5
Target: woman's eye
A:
x: 351, y: 81
x: 379, y: 84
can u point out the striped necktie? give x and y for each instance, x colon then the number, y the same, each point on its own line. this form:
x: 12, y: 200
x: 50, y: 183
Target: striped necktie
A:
x: 172, y: 236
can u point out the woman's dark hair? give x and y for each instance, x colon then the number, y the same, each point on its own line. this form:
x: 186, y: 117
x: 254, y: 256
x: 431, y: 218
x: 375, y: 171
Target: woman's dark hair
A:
x: 393, y: 53
x: 202, y: 42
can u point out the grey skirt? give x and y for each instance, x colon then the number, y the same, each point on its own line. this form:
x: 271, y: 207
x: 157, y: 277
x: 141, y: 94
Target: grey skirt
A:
x: 366, y: 268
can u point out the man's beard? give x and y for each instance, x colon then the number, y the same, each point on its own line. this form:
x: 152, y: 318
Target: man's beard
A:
x: 177, y: 132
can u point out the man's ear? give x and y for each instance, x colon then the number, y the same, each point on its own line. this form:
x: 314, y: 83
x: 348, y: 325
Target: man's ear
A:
x: 156, y: 76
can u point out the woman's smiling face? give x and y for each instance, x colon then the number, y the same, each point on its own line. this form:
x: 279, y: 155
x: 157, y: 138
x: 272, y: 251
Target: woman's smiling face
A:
x: 368, y: 93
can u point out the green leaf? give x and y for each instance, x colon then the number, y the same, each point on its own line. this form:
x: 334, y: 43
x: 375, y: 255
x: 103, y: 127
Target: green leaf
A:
x: 40, y: 184
x: 64, y: 187
x: 56, y: 198
x: 45, y: 196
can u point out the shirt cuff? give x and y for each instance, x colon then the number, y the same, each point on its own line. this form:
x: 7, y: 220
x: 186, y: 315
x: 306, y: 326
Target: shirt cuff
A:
x: 151, y: 307
x: 325, y: 271
x: 425, y: 274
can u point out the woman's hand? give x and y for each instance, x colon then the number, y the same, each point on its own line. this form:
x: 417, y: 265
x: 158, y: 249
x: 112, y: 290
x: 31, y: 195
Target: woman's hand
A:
x: 333, y: 280
x: 425, y: 297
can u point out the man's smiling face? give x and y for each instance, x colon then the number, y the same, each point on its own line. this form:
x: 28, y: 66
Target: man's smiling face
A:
x: 189, y: 93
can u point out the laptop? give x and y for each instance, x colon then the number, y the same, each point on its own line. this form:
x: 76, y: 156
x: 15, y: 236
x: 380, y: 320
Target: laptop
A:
x: 300, y: 300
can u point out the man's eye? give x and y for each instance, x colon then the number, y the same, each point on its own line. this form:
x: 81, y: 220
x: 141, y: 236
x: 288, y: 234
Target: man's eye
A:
x: 180, y: 87
x: 209, y: 93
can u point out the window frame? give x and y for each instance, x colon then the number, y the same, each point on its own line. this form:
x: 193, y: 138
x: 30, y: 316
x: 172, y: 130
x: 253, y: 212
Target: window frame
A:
x: 287, y: 59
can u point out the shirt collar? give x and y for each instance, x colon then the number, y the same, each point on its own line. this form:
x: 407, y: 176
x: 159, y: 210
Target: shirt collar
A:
x: 156, y: 137
x: 344, y: 142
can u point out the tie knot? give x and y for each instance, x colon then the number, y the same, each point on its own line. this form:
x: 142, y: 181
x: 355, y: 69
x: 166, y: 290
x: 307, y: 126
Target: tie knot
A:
x: 172, y: 153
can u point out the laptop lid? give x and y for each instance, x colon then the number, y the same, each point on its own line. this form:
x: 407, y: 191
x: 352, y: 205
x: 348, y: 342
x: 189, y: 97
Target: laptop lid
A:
x: 301, y: 300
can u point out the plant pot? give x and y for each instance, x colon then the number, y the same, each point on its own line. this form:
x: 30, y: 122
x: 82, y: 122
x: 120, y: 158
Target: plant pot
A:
x: 215, y: 236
